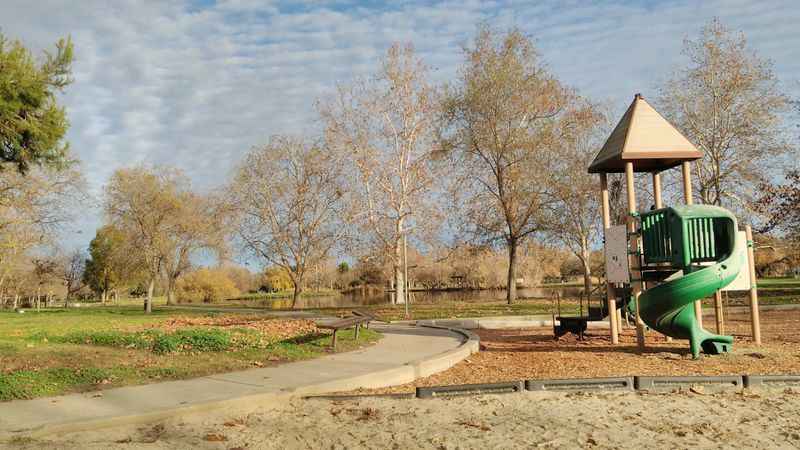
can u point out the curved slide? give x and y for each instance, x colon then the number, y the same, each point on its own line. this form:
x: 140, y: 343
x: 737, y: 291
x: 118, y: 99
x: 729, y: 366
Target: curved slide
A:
x: 668, y: 307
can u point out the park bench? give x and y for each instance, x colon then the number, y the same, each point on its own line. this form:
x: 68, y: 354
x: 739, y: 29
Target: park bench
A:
x: 341, y: 324
x: 369, y: 317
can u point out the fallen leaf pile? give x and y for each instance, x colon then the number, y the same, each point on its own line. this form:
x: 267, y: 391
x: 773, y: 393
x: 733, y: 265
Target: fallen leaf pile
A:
x: 270, y: 329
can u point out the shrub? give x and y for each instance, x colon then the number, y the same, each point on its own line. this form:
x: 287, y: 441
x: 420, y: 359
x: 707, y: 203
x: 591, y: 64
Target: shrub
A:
x: 190, y: 340
x: 206, y: 285
x: 203, y: 340
x: 165, y: 343
x: 106, y: 338
x: 276, y: 279
x: 24, y: 384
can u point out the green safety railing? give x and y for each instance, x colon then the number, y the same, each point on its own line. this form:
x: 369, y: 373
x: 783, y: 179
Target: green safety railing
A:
x: 656, y: 237
x: 686, y: 235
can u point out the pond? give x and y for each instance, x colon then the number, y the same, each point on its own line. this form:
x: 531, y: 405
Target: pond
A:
x: 354, y: 299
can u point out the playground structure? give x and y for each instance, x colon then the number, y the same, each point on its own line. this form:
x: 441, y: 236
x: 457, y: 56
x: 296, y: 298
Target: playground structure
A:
x: 664, y: 262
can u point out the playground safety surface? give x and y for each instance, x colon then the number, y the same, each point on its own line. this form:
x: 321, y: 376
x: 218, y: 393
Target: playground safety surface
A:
x: 767, y: 419
x: 520, y: 354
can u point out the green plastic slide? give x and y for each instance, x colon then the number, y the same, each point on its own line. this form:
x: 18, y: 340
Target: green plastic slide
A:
x: 703, y: 242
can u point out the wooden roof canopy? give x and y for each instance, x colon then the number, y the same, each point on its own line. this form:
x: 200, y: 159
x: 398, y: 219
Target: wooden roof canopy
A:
x: 645, y: 138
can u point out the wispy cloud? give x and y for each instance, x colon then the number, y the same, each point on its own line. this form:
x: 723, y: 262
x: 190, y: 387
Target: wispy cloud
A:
x: 196, y: 84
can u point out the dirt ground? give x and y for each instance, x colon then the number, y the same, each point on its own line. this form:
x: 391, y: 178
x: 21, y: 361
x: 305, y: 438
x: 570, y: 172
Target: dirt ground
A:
x: 766, y: 419
x: 520, y: 354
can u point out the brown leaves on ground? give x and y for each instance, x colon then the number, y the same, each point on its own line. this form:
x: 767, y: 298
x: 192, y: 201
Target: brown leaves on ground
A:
x: 361, y: 414
x: 238, y: 422
x: 368, y: 414
x: 150, y: 435
x: 519, y: 354
x: 215, y: 437
x: 474, y: 424
x: 274, y: 329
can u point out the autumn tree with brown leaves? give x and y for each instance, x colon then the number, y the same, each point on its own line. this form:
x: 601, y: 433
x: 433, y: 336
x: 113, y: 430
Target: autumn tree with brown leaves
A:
x: 574, y: 219
x: 288, y: 198
x: 164, y: 221
x: 504, y: 118
x: 728, y: 102
x: 780, y: 204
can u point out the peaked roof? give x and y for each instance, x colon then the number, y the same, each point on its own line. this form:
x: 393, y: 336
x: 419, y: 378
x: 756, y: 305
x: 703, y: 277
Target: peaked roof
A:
x: 645, y: 138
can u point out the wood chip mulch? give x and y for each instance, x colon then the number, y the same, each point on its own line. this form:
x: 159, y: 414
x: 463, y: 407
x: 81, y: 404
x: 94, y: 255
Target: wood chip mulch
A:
x: 519, y: 354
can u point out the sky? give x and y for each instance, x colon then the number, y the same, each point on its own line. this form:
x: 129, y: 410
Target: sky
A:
x: 196, y: 84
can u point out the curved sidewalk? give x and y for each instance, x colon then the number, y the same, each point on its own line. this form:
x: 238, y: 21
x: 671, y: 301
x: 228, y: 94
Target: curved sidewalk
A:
x: 404, y: 354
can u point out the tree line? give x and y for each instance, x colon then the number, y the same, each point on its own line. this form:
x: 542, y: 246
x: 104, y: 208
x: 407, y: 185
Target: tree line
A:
x: 492, y: 160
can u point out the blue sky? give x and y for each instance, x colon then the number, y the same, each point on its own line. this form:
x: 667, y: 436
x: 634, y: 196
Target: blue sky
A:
x: 196, y: 84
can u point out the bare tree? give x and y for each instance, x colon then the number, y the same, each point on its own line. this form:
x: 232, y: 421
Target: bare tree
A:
x: 33, y: 207
x: 727, y: 101
x: 289, y: 201
x: 45, y: 270
x: 503, y: 119
x: 71, y: 267
x: 575, y: 217
x: 164, y: 221
x: 386, y: 126
x: 781, y: 207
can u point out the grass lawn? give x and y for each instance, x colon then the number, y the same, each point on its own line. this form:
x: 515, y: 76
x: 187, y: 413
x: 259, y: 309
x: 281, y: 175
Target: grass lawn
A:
x: 778, y: 283
x: 59, y: 351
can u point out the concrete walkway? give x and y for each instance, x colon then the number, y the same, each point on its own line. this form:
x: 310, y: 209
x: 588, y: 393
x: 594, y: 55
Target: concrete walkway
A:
x: 404, y: 354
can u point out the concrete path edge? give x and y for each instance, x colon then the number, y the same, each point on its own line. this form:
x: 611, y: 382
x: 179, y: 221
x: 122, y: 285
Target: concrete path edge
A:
x: 245, y: 404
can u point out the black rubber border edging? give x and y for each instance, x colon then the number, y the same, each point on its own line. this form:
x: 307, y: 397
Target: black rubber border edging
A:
x: 618, y: 384
x: 470, y: 389
x: 582, y: 384
x: 668, y: 383
x: 757, y: 381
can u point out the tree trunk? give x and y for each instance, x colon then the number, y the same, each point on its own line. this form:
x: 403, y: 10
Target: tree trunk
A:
x: 296, y: 294
x: 397, y: 266
x: 103, y: 297
x: 170, y: 290
x: 511, y: 288
x: 148, y: 304
x: 399, y: 285
x: 587, y: 269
